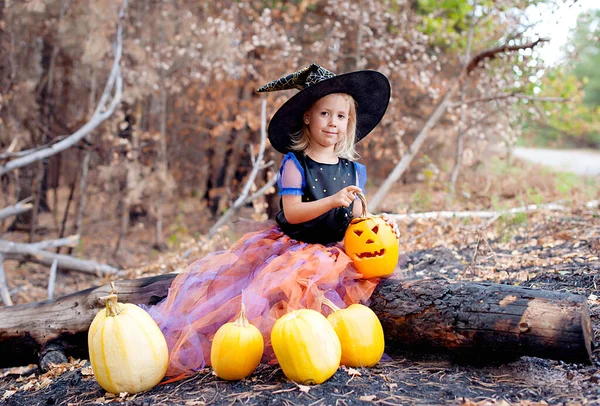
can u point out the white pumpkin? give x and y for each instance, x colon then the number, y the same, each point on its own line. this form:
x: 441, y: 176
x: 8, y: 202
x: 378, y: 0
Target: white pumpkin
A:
x: 128, y: 352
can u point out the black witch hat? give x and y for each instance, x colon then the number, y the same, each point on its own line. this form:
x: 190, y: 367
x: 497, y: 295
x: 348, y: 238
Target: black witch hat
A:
x: 369, y: 88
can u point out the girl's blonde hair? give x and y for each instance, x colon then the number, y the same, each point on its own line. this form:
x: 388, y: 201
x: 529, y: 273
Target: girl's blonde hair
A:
x: 344, y: 148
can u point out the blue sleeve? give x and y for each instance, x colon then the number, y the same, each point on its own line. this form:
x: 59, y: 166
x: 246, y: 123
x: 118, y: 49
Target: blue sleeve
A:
x: 291, y: 176
x: 361, y: 175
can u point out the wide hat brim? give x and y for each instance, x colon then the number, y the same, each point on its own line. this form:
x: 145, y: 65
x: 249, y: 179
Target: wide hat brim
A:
x: 369, y: 88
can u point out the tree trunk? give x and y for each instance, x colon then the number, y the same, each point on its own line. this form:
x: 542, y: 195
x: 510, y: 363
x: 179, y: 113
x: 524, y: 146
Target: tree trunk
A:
x: 44, y: 91
x: 462, y: 128
x: 63, y: 224
x: 24, y: 191
x: 82, y: 194
x: 435, y: 116
x: 4, y: 293
x: 489, y: 320
x: 124, y: 223
x: 162, y: 168
x: 38, y: 191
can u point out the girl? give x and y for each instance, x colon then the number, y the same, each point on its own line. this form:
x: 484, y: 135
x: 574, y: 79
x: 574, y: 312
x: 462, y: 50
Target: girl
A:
x: 291, y: 265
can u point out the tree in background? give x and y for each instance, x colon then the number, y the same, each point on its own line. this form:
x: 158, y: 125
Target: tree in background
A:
x: 585, y: 43
x: 190, y: 68
x: 577, y: 79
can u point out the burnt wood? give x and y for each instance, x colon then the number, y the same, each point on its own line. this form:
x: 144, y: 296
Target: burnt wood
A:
x: 484, y: 322
x: 491, y: 321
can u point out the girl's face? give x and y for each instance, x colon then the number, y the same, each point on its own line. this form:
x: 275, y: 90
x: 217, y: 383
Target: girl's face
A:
x: 327, y: 120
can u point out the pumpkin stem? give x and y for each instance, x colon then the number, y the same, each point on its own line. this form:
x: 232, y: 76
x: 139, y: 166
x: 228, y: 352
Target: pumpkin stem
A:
x: 330, y: 304
x: 242, y: 320
x: 112, y: 306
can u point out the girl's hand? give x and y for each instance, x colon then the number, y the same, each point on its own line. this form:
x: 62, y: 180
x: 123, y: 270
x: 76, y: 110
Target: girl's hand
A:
x: 390, y: 220
x: 345, y: 197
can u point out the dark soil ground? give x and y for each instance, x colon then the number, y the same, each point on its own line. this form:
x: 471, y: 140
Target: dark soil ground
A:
x: 553, y: 250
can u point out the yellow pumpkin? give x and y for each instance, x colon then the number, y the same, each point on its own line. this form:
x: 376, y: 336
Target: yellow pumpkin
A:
x: 236, y: 349
x: 306, y: 346
x: 360, y: 334
x: 371, y: 244
x: 128, y: 352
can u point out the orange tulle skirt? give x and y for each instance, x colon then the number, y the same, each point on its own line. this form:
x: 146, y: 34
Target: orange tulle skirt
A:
x: 270, y: 273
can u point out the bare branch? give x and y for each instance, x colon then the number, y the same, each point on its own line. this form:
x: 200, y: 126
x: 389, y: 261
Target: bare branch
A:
x: 82, y: 191
x: 13, y: 144
x: 31, y: 253
x: 593, y: 204
x: 114, y: 86
x: 10, y: 153
x: 52, y: 279
x: 262, y: 190
x: 70, y: 241
x: 508, y: 95
x: 437, y: 113
x: 503, y: 49
x: 518, y: 33
x: 15, y: 210
x: 268, y: 164
x: 481, y: 214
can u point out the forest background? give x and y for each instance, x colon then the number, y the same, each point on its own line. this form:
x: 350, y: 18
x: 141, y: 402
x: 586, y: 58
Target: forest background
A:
x: 149, y: 128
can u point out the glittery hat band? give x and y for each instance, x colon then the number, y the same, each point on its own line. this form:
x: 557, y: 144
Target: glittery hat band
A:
x: 300, y: 80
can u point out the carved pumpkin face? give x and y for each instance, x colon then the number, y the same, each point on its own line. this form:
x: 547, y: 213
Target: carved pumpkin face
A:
x: 372, y: 245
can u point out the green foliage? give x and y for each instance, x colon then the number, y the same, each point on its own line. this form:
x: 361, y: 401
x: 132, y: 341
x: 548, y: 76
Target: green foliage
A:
x: 421, y: 200
x: 277, y: 4
x: 565, y: 182
x: 445, y: 20
x: 576, y: 121
x: 534, y: 196
x: 179, y: 230
x: 591, y: 188
x: 502, y: 167
x: 508, y: 223
x: 563, y: 122
x: 519, y: 219
x: 586, y: 42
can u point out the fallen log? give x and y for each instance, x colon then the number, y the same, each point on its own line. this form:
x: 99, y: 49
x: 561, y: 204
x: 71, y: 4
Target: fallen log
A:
x: 35, y: 253
x: 489, y: 320
x: 484, y: 322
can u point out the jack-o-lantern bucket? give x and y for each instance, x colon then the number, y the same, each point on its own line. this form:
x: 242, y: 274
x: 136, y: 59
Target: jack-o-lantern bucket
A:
x: 371, y: 244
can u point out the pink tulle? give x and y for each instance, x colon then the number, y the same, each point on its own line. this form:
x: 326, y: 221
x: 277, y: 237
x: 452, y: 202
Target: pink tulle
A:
x: 271, y: 273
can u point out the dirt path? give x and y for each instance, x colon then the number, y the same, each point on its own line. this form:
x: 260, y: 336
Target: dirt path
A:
x: 581, y: 162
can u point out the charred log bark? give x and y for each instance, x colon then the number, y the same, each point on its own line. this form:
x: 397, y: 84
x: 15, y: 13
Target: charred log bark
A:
x: 486, y: 319
x: 484, y: 322
x: 28, y: 332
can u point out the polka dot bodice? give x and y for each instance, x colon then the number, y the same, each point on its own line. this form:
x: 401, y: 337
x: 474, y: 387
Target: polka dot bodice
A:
x: 319, y: 180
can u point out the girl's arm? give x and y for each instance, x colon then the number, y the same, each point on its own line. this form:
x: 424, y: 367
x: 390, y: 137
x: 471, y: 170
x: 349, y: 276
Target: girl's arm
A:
x: 296, y: 211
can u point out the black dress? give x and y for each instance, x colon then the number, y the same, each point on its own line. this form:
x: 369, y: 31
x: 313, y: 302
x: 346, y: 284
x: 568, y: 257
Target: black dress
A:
x: 319, y: 180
